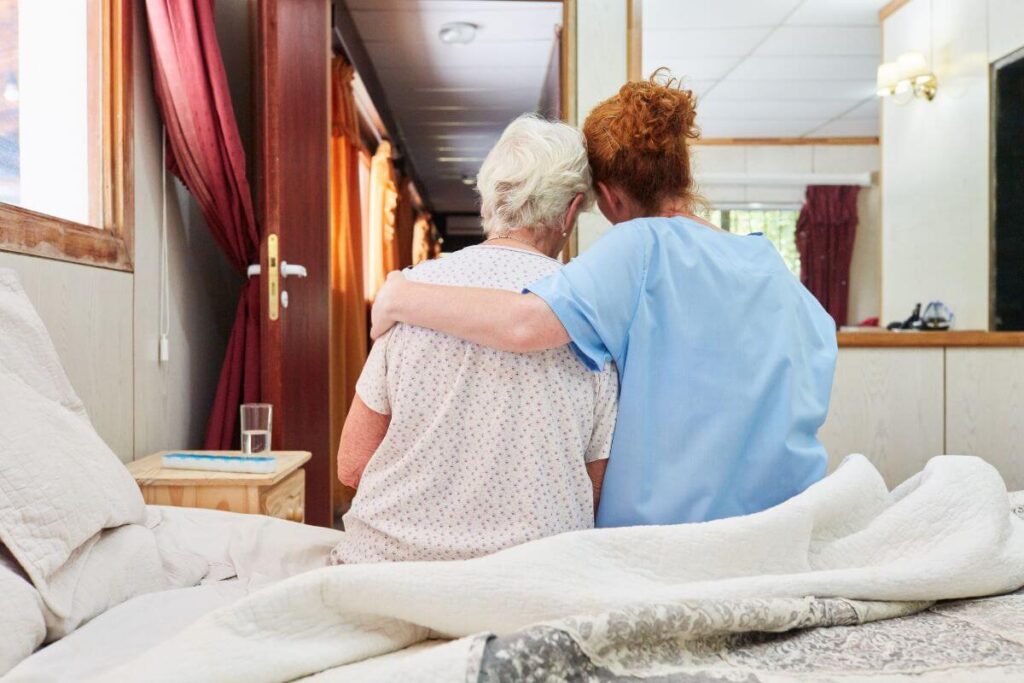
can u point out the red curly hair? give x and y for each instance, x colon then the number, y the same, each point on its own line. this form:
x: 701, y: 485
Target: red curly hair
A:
x: 639, y: 139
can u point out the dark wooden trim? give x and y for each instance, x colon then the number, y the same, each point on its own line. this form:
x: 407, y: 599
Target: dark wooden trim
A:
x: 890, y: 9
x: 724, y: 142
x: 930, y: 339
x: 568, y: 66
x: 634, y: 40
x: 346, y: 40
x: 567, y: 82
x: 111, y: 246
x: 119, y: 171
x: 36, y: 234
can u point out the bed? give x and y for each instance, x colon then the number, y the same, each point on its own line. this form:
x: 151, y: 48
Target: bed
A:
x: 89, y: 574
x: 981, y: 639
x: 848, y: 581
x: 242, y: 553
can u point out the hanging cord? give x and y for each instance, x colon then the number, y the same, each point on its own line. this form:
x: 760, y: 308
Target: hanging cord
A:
x: 165, y: 285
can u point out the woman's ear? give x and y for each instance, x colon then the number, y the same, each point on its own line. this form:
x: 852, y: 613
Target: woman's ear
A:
x: 610, y: 201
x: 571, y: 214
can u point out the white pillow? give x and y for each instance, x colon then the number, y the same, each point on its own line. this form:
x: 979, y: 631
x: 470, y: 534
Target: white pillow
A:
x: 21, y: 615
x: 60, y: 485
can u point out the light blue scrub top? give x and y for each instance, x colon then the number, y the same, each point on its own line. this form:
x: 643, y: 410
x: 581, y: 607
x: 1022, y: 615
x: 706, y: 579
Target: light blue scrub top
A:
x: 725, y: 368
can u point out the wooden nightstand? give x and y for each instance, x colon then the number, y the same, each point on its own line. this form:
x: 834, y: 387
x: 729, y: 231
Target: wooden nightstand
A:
x: 281, y: 494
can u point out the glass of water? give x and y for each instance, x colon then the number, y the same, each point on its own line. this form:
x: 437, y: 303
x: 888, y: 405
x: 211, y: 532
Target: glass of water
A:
x: 256, y: 428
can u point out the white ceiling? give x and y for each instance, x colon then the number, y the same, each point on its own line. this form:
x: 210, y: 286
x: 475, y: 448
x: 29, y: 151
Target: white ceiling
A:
x: 771, y: 68
x: 762, y: 68
x: 453, y: 101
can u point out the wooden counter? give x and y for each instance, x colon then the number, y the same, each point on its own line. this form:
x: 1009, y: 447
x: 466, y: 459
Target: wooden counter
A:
x: 976, y: 338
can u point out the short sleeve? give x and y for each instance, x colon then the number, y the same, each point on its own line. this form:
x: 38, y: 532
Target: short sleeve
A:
x: 372, y: 386
x: 595, y: 296
x: 605, y: 412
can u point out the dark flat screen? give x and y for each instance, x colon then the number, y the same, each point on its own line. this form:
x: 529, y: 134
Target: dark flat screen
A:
x: 1009, y: 197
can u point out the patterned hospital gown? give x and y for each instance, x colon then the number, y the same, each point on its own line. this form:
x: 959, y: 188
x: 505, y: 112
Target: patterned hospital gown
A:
x: 485, y: 449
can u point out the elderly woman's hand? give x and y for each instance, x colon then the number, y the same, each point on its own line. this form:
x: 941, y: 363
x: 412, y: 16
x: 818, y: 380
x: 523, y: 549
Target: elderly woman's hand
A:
x: 382, y: 317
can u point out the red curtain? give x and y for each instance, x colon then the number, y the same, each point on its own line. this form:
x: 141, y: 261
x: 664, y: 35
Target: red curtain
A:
x: 825, y: 231
x: 205, y: 151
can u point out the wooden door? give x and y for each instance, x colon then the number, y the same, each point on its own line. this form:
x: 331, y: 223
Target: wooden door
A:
x: 292, y: 111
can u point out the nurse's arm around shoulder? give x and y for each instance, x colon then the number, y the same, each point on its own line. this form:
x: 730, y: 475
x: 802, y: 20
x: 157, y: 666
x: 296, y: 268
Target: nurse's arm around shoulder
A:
x: 497, y: 318
x: 590, y: 302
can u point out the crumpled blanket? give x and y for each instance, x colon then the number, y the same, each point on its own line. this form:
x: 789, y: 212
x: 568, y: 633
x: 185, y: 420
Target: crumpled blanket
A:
x: 945, y: 533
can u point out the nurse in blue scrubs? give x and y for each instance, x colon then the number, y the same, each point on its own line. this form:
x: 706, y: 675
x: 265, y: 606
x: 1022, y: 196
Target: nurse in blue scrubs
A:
x: 725, y: 360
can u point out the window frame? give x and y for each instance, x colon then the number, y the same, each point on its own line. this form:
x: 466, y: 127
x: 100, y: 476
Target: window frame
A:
x: 110, y: 245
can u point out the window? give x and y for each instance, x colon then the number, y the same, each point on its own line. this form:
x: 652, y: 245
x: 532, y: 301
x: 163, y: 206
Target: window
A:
x: 65, y: 130
x: 778, y: 225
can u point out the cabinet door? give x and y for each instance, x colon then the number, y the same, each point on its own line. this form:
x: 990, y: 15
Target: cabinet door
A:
x: 887, y: 403
x: 985, y: 408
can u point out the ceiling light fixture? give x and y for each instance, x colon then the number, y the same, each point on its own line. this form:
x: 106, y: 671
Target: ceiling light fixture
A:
x: 469, y: 180
x: 458, y: 33
x: 906, y: 78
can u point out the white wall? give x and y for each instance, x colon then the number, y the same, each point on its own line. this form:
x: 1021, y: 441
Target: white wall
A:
x: 88, y: 312
x: 935, y: 216
x: 600, y: 71
x: 104, y: 323
x: 1005, y: 27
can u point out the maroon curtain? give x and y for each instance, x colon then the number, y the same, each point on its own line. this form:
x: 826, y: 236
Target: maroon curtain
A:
x: 825, y: 232
x: 205, y: 151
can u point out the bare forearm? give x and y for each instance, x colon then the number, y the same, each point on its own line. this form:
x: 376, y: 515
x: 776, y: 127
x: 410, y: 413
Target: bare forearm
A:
x: 362, y: 434
x: 500, y: 319
x: 596, y: 471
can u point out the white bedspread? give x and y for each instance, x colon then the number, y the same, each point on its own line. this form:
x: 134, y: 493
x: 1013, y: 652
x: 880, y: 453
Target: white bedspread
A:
x: 251, y: 551
x: 945, y: 533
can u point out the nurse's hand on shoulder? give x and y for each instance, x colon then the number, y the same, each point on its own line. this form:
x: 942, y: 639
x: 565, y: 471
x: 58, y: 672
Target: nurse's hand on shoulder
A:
x: 382, y: 318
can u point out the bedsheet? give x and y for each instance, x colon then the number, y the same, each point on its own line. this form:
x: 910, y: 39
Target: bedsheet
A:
x: 231, y: 555
x: 123, y: 632
x: 947, y: 533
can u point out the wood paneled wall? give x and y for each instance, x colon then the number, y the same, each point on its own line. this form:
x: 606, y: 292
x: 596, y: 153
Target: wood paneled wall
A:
x: 902, y: 406
x: 88, y: 312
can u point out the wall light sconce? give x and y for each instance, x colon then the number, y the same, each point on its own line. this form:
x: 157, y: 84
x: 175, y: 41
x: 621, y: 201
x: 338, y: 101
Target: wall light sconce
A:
x: 906, y: 78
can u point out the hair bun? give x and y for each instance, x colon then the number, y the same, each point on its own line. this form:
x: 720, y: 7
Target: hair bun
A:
x: 638, y: 140
x: 658, y: 114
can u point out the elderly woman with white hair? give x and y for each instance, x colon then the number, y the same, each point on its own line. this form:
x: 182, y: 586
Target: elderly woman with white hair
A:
x: 456, y: 450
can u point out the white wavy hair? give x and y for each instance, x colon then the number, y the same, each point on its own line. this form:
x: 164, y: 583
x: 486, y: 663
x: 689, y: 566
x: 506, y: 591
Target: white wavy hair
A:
x: 531, y: 175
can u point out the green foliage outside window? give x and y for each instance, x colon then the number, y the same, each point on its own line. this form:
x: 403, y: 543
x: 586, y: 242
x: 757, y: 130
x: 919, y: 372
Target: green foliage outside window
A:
x: 778, y: 225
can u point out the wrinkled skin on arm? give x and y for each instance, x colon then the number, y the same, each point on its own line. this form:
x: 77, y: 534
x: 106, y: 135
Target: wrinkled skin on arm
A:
x: 362, y: 434
x: 596, y: 472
